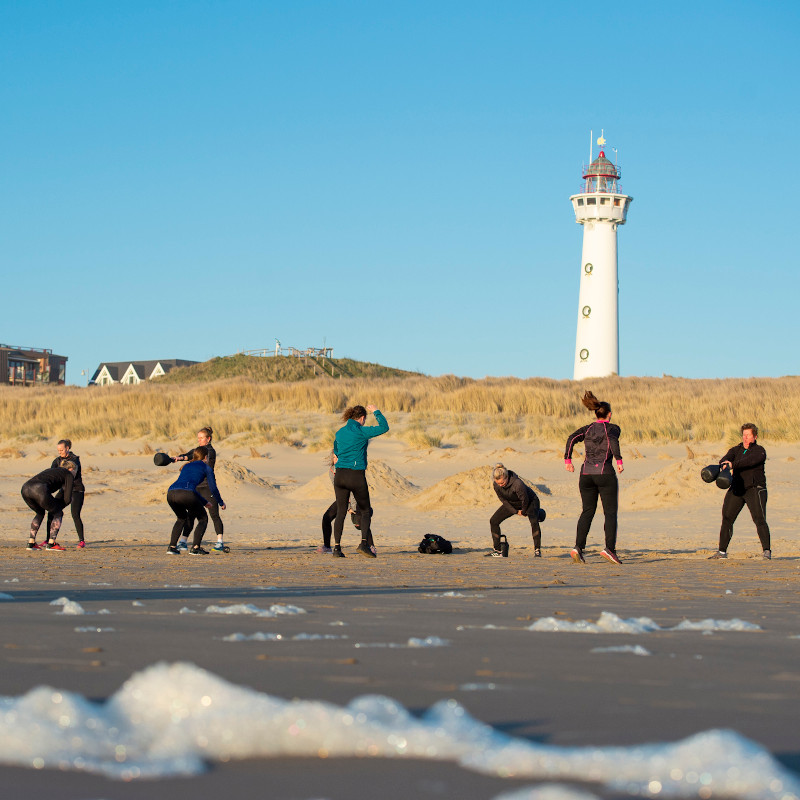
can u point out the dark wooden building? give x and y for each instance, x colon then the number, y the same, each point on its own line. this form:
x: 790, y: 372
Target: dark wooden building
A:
x: 31, y: 366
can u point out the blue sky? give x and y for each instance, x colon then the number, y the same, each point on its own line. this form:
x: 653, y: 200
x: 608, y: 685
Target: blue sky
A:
x: 187, y: 179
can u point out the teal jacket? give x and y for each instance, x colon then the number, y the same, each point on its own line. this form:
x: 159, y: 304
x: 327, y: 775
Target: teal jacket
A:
x: 350, y: 445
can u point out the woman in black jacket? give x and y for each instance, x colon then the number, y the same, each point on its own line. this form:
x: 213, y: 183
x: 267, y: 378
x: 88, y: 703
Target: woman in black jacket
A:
x: 38, y: 494
x: 517, y: 499
x: 601, y: 444
x: 64, y: 448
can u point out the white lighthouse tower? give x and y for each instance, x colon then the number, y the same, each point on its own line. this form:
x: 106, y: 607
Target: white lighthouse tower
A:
x: 600, y: 207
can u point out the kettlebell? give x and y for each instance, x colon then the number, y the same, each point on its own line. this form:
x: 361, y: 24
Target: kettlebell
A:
x: 504, y: 545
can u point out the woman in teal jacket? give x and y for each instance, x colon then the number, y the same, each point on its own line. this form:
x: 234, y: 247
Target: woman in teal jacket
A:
x: 350, y: 448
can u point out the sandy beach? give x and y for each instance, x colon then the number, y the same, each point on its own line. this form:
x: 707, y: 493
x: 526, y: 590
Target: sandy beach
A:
x: 418, y: 629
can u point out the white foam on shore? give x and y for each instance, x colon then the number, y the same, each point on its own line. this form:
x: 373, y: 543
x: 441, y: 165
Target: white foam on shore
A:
x: 167, y: 719
x: 452, y: 594
x: 634, y: 649
x: 95, y: 630
x: 187, y: 610
x: 74, y: 608
x: 275, y: 610
x: 428, y: 641
x: 4, y: 596
x: 548, y: 791
x: 11, y: 580
x: 608, y: 622
x: 278, y: 637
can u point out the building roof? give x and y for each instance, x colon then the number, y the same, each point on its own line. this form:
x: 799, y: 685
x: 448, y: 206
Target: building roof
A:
x: 143, y: 369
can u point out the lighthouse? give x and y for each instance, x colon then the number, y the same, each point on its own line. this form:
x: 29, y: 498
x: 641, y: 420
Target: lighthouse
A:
x: 600, y: 208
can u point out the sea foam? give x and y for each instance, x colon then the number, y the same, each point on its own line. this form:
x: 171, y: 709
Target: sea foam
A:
x: 167, y: 719
x: 608, y: 622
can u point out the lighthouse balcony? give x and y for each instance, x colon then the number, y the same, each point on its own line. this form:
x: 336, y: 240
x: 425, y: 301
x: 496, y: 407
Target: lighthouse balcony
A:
x: 600, y: 207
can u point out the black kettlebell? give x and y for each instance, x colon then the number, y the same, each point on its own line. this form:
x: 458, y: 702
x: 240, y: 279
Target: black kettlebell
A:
x: 504, y: 546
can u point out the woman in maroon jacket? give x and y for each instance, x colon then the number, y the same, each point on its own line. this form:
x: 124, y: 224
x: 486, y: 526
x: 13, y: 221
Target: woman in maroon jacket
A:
x: 601, y: 444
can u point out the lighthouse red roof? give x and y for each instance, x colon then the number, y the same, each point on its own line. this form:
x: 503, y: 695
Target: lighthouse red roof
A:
x: 601, y: 167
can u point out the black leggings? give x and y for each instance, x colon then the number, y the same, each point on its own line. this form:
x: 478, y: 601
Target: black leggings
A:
x: 40, y: 501
x: 591, y: 487
x: 504, y: 513
x: 213, y: 512
x: 756, y: 499
x: 330, y: 515
x: 75, y: 507
x: 188, y: 508
x: 346, y: 481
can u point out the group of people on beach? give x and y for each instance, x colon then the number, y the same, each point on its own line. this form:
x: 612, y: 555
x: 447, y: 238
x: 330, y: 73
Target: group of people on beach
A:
x: 194, y: 495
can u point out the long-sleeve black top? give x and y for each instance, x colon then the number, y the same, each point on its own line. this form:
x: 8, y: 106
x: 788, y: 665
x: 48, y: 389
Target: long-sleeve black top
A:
x: 516, y: 495
x: 748, y: 467
x: 57, y: 478
x: 601, y: 439
x: 212, y: 459
x: 77, y: 481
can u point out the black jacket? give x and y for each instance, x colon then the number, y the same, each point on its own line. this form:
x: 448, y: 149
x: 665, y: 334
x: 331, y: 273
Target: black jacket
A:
x: 748, y: 467
x: 516, y: 495
x: 57, y: 478
x: 601, y: 444
x: 77, y: 481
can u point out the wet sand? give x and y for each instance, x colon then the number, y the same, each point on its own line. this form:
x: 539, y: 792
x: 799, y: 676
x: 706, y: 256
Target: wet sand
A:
x: 546, y: 687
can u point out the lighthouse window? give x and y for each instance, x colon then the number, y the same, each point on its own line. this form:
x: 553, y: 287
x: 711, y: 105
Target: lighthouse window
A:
x: 584, y: 354
x: 580, y: 201
x: 603, y: 201
x: 590, y: 201
x: 616, y: 201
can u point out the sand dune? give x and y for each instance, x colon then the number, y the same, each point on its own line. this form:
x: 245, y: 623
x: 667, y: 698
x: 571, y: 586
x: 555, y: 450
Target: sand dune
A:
x: 671, y: 485
x: 385, y: 482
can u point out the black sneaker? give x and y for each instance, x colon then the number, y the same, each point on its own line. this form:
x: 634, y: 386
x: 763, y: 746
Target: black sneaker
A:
x: 767, y: 554
x: 537, y: 553
x: 337, y: 552
x: 718, y: 554
x: 34, y: 546
x: 363, y: 549
x: 173, y: 551
x: 198, y: 551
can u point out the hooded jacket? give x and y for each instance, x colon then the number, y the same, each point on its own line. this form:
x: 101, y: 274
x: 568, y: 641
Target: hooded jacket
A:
x: 748, y: 467
x: 516, y: 495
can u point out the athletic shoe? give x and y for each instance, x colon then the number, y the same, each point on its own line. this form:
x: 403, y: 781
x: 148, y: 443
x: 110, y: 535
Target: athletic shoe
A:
x: 324, y: 549
x: 718, y: 554
x: 56, y: 547
x: 198, y: 551
x: 34, y: 546
x: 81, y: 545
x: 373, y: 550
x: 537, y: 553
x: 610, y: 555
x: 337, y: 552
x: 767, y: 554
x: 577, y: 555
x: 219, y: 547
x: 363, y: 549
x: 182, y: 545
x: 173, y: 551
x: 496, y: 554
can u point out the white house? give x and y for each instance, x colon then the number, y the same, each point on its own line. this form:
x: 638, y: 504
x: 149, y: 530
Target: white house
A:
x: 133, y: 372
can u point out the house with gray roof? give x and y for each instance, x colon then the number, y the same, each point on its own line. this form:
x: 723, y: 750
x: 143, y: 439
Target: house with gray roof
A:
x: 133, y: 372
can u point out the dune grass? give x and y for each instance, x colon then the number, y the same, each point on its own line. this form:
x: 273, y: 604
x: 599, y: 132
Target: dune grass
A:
x: 423, y: 411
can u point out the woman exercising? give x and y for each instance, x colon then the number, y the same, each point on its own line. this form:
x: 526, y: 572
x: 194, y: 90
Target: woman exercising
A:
x: 188, y: 504
x: 330, y: 514
x: 517, y: 499
x: 601, y: 443
x: 38, y: 494
x: 350, y: 449
x: 64, y: 448
x: 204, y: 436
